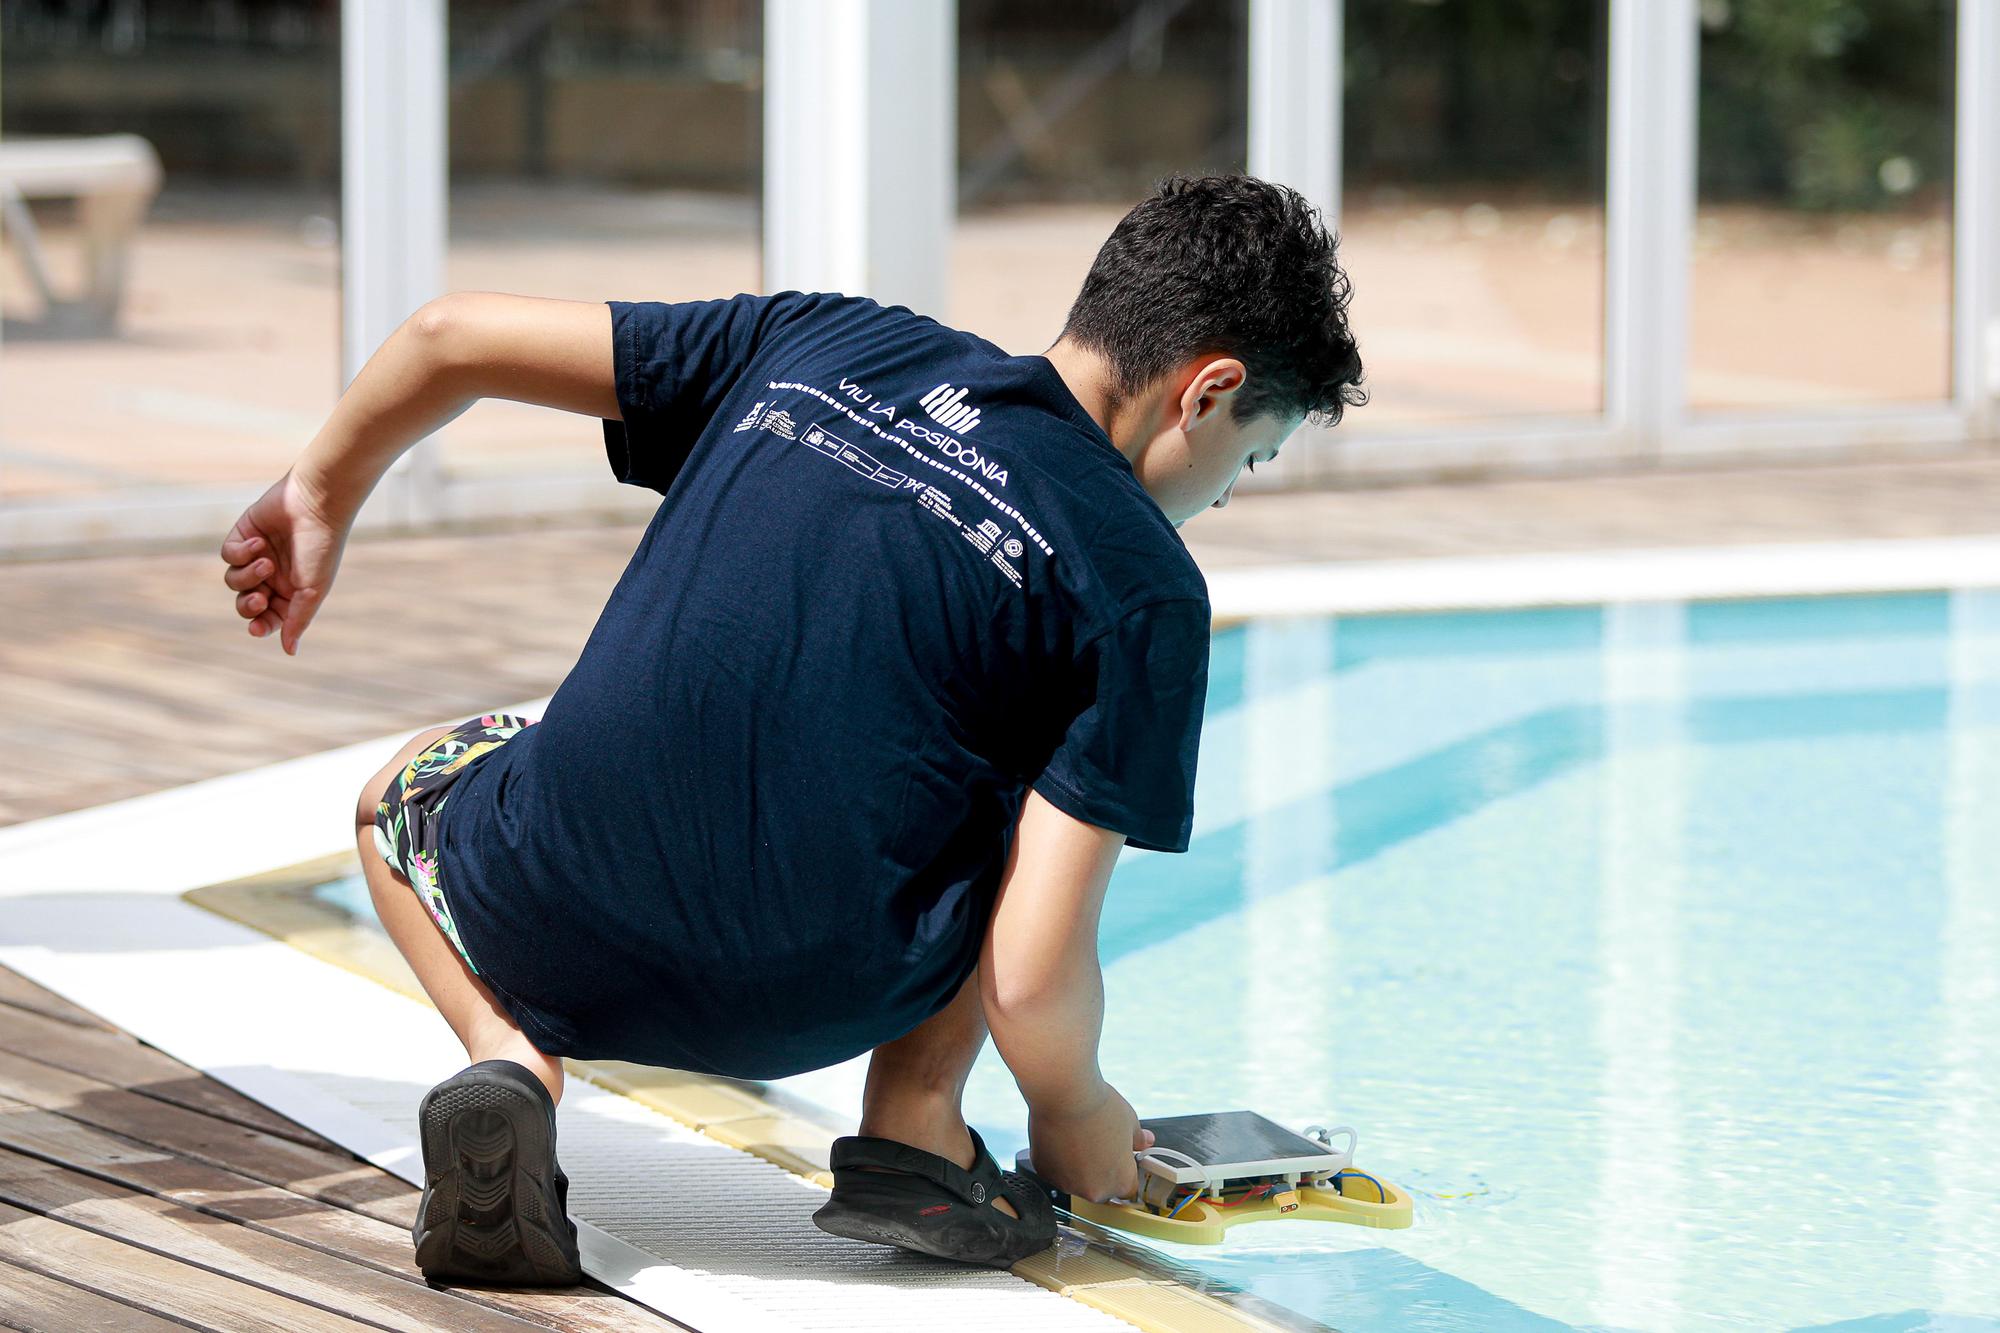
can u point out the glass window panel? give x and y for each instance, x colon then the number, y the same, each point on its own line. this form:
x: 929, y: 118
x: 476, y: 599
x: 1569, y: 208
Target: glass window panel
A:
x: 1473, y: 206
x: 1068, y: 111
x: 1822, y: 246
x: 224, y: 358
x: 602, y: 150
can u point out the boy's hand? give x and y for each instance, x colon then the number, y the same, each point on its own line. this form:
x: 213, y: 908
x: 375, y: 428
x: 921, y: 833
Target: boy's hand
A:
x: 282, y: 557
x: 1087, y: 1149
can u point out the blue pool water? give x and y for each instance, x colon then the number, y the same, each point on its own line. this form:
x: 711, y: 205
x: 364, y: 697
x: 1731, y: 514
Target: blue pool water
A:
x: 1654, y: 948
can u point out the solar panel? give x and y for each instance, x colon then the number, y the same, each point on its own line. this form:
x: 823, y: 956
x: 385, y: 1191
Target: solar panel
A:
x: 1233, y: 1144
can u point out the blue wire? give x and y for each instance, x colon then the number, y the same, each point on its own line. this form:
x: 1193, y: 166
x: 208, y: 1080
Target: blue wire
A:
x: 1381, y: 1193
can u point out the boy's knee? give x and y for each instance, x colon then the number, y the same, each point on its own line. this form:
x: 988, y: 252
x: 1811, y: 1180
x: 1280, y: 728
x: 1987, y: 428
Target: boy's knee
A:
x: 377, y: 786
x: 368, y: 802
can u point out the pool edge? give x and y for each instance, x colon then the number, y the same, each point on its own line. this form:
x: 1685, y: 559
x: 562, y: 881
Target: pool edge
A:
x: 1099, y: 1270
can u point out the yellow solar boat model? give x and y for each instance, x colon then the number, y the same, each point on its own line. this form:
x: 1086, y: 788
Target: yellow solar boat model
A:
x: 1207, y: 1173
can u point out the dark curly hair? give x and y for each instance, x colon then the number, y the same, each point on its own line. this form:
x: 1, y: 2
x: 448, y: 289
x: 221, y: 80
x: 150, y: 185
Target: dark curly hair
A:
x: 1232, y: 265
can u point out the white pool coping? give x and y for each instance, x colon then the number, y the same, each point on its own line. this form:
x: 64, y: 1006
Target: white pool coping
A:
x: 1775, y: 569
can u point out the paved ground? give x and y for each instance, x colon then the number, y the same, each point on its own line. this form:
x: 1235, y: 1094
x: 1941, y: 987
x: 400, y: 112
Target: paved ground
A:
x: 121, y: 675
x: 1466, y: 310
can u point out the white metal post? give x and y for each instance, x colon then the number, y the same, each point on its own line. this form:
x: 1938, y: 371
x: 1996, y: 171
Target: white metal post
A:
x: 1976, y: 221
x: 1649, y: 218
x: 860, y: 148
x: 1295, y: 91
x: 393, y: 178
x: 1295, y: 83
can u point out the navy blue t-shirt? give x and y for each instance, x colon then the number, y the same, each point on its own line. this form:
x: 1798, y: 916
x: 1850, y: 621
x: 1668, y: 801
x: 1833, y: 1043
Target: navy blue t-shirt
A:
x: 898, y: 577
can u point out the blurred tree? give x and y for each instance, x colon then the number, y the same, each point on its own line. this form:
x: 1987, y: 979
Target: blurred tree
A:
x: 1826, y: 104
x: 1501, y: 94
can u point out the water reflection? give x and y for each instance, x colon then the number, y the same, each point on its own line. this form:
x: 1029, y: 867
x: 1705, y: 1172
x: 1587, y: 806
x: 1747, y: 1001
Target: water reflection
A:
x: 1643, y: 780
x: 1966, y: 1218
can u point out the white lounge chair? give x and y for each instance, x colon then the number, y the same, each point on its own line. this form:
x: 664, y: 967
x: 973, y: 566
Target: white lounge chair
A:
x: 113, y: 178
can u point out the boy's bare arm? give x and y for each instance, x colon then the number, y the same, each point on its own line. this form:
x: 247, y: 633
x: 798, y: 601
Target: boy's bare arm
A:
x: 284, y: 551
x: 1043, y: 993
x: 452, y: 352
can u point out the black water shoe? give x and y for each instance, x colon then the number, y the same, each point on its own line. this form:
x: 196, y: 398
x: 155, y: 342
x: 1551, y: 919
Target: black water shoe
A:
x: 926, y: 1203
x: 496, y: 1205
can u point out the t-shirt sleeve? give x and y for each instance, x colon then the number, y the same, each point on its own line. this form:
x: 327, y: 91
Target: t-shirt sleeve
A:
x: 1127, y: 760
x: 674, y: 363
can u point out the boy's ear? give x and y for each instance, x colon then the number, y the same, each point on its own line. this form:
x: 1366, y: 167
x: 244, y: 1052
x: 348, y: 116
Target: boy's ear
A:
x: 1205, y: 386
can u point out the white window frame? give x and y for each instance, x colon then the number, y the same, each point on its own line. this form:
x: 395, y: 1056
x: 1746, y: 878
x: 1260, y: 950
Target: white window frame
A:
x: 393, y: 204
x: 1649, y: 211
x: 1976, y: 220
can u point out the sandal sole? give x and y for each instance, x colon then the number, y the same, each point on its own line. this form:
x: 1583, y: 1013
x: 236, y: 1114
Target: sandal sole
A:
x: 489, y: 1211
x: 856, y: 1224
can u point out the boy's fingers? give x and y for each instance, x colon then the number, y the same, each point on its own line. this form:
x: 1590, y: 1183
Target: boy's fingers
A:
x: 250, y: 604
x: 241, y: 538
x: 272, y: 620
x: 298, y: 614
x: 245, y: 577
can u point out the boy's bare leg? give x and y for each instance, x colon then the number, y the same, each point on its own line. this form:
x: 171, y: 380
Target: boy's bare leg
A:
x: 916, y: 1082
x: 485, y: 1029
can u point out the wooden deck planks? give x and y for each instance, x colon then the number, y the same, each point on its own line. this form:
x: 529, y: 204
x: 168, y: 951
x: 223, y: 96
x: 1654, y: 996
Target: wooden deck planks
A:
x: 22, y: 993
x: 122, y: 1209
x: 131, y: 674
x: 29, y: 1132
x: 254, y: 1258
x: 155, y: 1282
x: 329, y: 1176
x: 127, y: 1062
x: 31, y: 1302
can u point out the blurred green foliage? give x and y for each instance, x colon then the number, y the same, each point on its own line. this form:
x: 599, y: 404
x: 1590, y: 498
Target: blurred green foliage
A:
x: 1826, y: 104
x: 1504, y: 94
x: 1815, y: 104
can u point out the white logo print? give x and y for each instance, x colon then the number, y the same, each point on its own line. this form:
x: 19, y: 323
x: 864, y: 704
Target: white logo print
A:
x: 1012, y: 547
x: 946, y: 406
x: 984, y: 535
x: 749, y: 418
x: 779, y: 421
x: 933, y: 499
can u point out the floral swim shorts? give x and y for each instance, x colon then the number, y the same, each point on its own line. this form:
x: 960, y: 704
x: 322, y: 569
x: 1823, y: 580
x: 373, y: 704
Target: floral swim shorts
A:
x: 406, y: 820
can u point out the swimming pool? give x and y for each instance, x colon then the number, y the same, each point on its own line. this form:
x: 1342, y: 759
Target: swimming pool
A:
x: 1655, y: 948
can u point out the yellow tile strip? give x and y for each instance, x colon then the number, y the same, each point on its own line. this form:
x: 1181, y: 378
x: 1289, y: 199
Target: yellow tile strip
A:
x: 281, y: 904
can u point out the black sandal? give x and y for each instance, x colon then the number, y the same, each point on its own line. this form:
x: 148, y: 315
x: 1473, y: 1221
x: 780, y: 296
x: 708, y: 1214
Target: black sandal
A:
x: 496, y: 1205
x: 925, y: 1203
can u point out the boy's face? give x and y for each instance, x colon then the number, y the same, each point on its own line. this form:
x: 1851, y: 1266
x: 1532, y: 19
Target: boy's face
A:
x: 1193, y: 460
